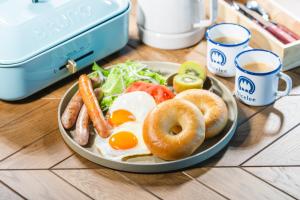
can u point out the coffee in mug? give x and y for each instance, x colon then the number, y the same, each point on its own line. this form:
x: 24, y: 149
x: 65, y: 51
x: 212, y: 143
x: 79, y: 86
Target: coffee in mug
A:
x: 224, y: 42
x: 257, y: 77
x: 258, y: 67
x: 227, y: 40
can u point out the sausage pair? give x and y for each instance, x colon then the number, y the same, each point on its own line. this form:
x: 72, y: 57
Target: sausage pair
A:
x: 82, y: 132
x: 76, y: 112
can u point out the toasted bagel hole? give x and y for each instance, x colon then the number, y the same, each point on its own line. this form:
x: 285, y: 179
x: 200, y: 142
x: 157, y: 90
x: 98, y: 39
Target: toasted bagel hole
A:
x: 176, y: 129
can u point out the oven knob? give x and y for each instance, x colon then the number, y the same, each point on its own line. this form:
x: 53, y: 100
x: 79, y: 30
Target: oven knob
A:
x: 71, y: 66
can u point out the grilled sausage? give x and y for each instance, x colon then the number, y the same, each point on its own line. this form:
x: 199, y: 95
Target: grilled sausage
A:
x: 82, y: 133
x: 71, y: 112
x: 93, y: 107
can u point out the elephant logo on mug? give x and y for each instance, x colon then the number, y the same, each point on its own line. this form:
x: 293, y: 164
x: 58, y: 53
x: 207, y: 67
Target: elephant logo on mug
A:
x: 246, y: 85
x: 217, y: 56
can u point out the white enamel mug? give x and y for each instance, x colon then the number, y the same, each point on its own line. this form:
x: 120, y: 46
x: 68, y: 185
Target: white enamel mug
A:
x: 259, y: 88
x: 220, y: 56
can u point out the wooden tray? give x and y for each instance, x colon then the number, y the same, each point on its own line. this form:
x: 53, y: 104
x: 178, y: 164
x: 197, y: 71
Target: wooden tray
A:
x: 289, y: 53
x: 151, y: 164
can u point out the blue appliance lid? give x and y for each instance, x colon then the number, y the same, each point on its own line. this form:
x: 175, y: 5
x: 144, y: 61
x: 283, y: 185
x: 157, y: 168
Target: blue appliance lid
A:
x: 27, y: 28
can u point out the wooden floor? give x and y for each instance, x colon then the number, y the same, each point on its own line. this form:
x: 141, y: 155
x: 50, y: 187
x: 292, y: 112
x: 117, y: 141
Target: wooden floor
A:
x: 261, y: 162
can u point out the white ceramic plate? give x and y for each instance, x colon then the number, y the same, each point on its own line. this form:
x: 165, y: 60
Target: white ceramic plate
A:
x: 151, y: 164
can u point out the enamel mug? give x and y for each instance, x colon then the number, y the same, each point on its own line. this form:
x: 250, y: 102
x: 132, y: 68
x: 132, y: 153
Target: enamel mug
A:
x: 220, y: 56
x: 259, y: 88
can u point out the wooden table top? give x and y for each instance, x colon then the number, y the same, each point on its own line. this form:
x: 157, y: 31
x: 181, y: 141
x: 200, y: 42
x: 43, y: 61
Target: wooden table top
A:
x: 261, y: 162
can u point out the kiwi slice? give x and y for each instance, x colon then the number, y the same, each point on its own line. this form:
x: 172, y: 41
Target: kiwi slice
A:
x: 183, y: 82
x: 193, y: 68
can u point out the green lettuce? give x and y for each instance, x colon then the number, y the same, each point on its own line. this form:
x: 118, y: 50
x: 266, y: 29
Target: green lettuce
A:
x: 122, y: 75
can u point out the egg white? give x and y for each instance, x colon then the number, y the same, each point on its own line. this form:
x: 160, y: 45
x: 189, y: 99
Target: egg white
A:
x: 139, y: 104
x: 110, y: 153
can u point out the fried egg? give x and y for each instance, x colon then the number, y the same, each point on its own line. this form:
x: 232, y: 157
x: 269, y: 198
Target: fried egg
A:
x: 126, y: 115
x: 132, y: 106
x: 125, y: 141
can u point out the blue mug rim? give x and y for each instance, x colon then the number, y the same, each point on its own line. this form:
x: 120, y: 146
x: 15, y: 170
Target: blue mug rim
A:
x: 227, y: 45
x: 237, y: 65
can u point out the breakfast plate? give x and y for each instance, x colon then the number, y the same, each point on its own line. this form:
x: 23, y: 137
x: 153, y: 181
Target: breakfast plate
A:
x: 150, y: 163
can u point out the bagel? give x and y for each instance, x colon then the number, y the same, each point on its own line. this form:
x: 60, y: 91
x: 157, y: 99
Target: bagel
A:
x: 212, y: 107
x: 159, y: 123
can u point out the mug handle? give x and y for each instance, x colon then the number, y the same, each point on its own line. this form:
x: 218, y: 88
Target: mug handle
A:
x: 212, y: 18
x: 288, y: 82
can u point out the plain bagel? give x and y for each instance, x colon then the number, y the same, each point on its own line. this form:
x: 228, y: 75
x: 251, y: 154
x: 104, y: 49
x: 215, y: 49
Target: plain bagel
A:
x: 212, y: 106
x: 158, y: 125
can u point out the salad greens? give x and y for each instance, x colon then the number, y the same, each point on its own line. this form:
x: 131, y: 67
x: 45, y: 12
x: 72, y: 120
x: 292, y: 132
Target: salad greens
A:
x: 122, y: 75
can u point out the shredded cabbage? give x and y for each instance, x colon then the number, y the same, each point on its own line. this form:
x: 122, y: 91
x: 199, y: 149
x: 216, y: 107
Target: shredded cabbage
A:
x: 122, y: 75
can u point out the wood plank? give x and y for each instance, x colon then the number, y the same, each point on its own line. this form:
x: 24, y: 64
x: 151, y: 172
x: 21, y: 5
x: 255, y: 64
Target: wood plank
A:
x: 127, y: 53
x: 296, y: 82
x: 11, y: 111
x: 285, y: 151
x: 59, y: 90
x: 296, y: 70
x: 7, y: 194
x: 235, y: 183
x: 296, y: 85
x: 77, y: 162
x: 104, y: 184
x: 41, y: 154
x: 40, y: 184
x: 149, y: 53
x: 173, y: 186
x: 284, y: 178
x: 260, y: 131
x: 21, y: 132
x: 166, y: 186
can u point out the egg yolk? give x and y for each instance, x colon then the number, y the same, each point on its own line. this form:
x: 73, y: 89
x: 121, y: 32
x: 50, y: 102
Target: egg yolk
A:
x: 119, y: 117
x: 123, y: 140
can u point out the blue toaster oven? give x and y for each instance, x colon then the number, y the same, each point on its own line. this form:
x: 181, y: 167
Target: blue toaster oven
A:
x: 43, y: 41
